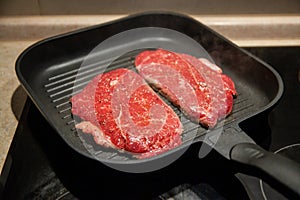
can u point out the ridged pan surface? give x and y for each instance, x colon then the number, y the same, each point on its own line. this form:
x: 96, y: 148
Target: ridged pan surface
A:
x: 49, y: 69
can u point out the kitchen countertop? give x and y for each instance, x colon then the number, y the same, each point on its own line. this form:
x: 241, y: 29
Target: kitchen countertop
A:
x: 19, y: 32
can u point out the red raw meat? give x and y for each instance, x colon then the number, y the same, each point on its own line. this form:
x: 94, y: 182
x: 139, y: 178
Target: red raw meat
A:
x: 197, y: 86
x: 121, y: 111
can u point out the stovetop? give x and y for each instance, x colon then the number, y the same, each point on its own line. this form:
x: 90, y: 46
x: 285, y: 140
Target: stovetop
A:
x: 41, y: 166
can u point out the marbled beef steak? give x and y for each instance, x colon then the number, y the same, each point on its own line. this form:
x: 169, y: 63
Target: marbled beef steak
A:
x: 197, y: 86
x: 121, y: 111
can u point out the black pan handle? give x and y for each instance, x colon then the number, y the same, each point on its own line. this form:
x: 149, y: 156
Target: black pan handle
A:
x: 280, y: 168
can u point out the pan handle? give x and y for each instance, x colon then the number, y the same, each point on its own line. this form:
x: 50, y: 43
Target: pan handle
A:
x: 281, y: 168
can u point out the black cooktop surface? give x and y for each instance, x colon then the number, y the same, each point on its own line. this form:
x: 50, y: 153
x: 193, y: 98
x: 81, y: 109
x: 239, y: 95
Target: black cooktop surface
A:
x: 41, y: 166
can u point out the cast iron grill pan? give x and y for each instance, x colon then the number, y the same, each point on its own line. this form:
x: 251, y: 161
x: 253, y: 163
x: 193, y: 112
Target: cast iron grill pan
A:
x: 60, y: 88
x: 47, y: 71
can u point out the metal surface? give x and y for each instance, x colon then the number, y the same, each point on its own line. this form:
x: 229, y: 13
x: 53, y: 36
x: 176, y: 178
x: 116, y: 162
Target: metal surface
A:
x: 47, y: 71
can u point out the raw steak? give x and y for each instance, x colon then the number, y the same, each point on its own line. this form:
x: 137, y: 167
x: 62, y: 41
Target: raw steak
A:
x: 197, y: 86
x: 121, y: 111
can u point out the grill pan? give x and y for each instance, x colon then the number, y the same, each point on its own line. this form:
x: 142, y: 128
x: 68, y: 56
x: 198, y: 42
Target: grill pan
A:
x: 47, y: 70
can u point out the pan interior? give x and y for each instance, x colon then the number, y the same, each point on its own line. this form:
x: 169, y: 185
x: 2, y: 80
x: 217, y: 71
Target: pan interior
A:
x: 249, y: 100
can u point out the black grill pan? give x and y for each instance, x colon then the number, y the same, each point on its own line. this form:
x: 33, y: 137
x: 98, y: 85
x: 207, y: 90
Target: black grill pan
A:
x: 48, y: 69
